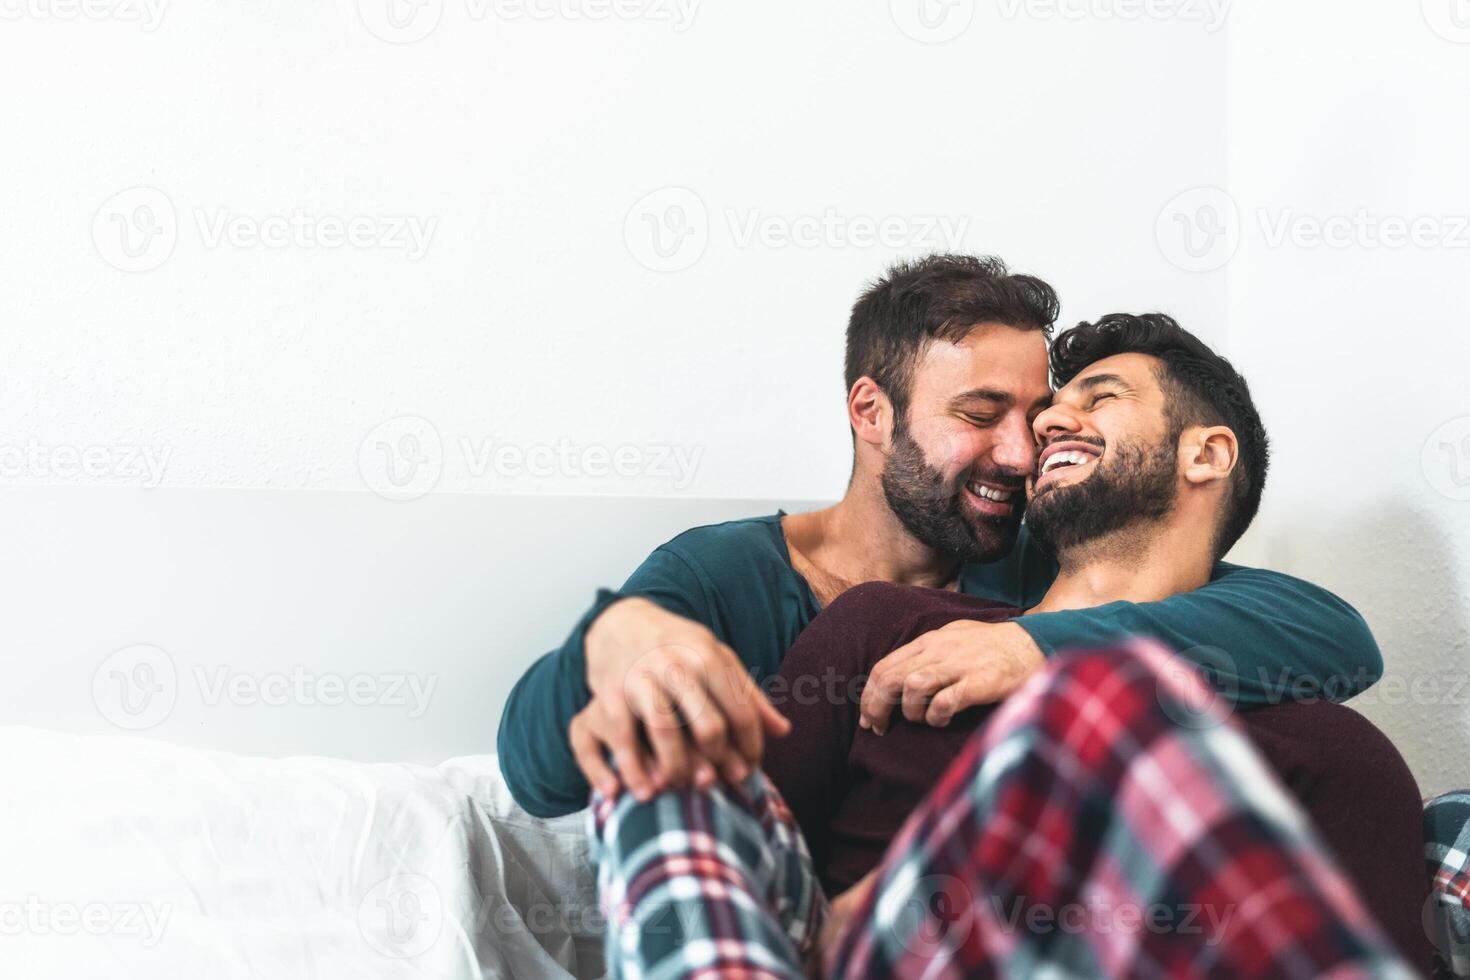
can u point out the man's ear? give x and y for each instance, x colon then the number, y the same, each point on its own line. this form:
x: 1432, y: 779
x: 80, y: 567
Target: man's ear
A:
x: 1208, y: 453
x: 869, y: 412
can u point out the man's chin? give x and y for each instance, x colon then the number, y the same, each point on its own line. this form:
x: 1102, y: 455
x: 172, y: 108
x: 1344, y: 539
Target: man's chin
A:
x: 992, y: 545
x: 994, y: 537
x: 1058, y: 485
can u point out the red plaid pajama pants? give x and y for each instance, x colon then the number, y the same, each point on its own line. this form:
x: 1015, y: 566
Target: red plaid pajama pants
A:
x: 1109, y: 820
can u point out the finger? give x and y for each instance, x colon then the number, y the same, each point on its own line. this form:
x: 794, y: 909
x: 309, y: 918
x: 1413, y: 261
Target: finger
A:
x: 884, y: 691
x: 880, y: 693
x: 918, y: 688
x: 587, y: 750
x: 620, y: 732
x: 665, y: 730
x: 947, y: 703
x: 772, y: 720
x: 740, y: 701
x: 963, y: 692
x: 712, y: 733
x: 734, y: 770
x: 706, y: 723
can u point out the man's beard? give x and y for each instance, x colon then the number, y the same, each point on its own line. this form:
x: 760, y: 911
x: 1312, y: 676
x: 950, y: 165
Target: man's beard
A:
x: 935, y: 511
x: 1135, y: 485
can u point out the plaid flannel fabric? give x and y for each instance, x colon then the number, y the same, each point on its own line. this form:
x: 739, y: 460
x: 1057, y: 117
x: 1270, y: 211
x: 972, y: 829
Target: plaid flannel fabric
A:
x: 1447, y: 853
x: 1108, y: 821
x: 716, y: 883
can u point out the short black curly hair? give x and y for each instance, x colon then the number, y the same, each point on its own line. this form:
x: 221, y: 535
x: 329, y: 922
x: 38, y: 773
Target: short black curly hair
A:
x: 1202, y: 388
x: 937, y: 297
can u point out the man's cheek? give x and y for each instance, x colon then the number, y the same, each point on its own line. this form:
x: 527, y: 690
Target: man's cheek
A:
x: 949, y: 447
x: 959, y: 450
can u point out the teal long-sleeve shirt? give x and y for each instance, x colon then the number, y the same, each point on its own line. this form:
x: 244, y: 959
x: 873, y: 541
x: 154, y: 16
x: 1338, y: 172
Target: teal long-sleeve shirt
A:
x: 1264, y: 636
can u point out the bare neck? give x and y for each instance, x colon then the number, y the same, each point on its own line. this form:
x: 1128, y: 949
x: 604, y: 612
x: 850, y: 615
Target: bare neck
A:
x: 859, y: 539
x: 1143, y: 563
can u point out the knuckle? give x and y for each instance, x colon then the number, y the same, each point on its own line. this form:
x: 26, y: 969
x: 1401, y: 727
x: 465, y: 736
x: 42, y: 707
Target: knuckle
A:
x: 674, y: 762
x: 711, y: 734
x: 741, y: 713
x: 621, y: 728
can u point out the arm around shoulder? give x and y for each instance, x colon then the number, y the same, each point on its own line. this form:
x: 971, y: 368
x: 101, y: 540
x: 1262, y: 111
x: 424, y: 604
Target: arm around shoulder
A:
x: 1268, y: 637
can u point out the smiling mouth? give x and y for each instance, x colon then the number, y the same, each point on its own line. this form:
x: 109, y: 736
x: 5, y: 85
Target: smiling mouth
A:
x: 1071, y: 457
x: 1063, y: 457
x: 985, y: 492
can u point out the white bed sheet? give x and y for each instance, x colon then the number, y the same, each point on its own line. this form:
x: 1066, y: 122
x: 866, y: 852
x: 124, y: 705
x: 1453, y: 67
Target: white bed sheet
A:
x: 125, y: 857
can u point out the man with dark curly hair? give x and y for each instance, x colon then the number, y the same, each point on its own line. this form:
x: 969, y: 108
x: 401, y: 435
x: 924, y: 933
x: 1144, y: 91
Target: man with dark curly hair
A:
x: 1108, y: 820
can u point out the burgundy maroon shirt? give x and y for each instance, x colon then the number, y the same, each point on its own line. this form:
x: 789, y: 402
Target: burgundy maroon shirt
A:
x: 849, y: 789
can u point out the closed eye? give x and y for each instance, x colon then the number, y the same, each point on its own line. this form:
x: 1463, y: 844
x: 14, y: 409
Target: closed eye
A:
x: 1100, y: 396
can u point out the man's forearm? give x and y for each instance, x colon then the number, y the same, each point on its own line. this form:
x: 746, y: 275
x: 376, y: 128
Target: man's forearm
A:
x: 1265, y: 636
x: 535, y: 753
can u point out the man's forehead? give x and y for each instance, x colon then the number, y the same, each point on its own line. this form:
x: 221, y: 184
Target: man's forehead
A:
x: 1133, y: 369
x: 991, y: 355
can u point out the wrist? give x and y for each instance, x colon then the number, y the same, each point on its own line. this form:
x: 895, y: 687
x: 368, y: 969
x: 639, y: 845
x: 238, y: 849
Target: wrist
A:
x: 600, y: 639
x: 1027, y: 641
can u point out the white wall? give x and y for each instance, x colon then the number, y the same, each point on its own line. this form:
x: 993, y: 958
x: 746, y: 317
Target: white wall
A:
x: 529, y: 319
x: 534, y: 156
x: 1350, y: 116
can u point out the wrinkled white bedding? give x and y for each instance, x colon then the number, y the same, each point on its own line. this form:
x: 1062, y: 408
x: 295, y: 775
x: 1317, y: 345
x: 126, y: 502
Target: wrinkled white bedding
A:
x: 124, y: 857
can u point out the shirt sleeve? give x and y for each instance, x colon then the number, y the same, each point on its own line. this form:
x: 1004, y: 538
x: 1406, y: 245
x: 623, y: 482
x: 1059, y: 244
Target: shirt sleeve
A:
x: 1261, y: 636
x: 534, y: 749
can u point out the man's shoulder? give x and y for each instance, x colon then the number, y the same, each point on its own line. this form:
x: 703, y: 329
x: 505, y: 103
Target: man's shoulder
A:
x: 753, y: 599
x: 744, y: 544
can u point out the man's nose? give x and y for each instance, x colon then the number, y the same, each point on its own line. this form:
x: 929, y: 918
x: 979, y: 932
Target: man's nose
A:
x: 1014, y: 449
x: 1057, y: 420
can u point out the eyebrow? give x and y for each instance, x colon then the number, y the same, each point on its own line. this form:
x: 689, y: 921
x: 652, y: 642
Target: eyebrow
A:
x: 982, y: 395
x: 999, y: 397
x: 1098, y: 380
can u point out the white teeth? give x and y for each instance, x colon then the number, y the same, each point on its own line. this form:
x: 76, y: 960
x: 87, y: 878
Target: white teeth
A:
x: 990, y: 493
x: 1070, y: 458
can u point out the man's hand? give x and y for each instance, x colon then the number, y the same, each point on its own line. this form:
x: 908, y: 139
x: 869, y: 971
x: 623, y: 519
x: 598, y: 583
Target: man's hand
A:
x: 657, y: 675
x: 941, y: 673
x: 844, y: 906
